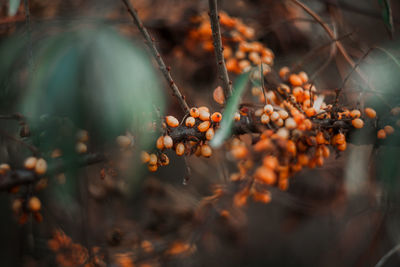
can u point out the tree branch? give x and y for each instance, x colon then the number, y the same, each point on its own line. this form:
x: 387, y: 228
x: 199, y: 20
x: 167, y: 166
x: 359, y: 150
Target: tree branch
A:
x: 216, y: 34
x: 164, y: 69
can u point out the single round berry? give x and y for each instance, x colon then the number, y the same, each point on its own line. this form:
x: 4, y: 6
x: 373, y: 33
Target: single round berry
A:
x: 34, y: 204
x: 216, y: 117
x: 210, y: 134
x: 180, y: 149
x: 144, y: 156
x: 160, y: 143
x: 204, y: 126
x: 172, y: 121
x: 190, y: 121
x: 357, y: 123
x: 370, y: 113
x: 30, y: 163
x: 168, y: 142
x: 123, y: 141
x: 206, y: 151
x: 41, y: 167
x: 194, y: 112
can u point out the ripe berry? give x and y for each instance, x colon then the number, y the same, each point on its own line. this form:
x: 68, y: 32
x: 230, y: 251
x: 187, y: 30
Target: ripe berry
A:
x: 210, y: 134
x: 180, y: 149
x: 218, y: 95
x: 264, y: 119
x: 303, y: 76
x: 381, y: 134
x: 30, y: 163
x: 303, y: 159
x: 123, y: 141
x: 320, y: 138
x: 339, y: 139
x: 279, y: 122
x: 206, y: 151
x: 290, y: 124
x: 283, y: 113
x: 190, y: 121
x: 295, y: 80
x: 357, y: 123
x: 237, y: 116
x: 355, y: 113
x: 265, y: 175
x: 216, y: 117
x: 282, y: 132
x: 164, y: 160
x: 204, y: 115
x: 264, y: 197
x: 160, y: 143
x: 275, y: 116
x: 283, y: 72
x: 152, y: 168
x: 204, y: 108
x: 370, y: 113
x: 239, y: 152
x: 81, y: 148
x: 270, y: 162
x: 34, y: 204
x: 388, y: 129
x: 41, y: 167
x: 153, y: 159
x: 144, y: 156
x: 168, y: 142
x: 342, y: 147
x: 268, y: 109
x: 172, y: 121
x: 194, y: 112
x: 311, y: 112
x: 204, y: 126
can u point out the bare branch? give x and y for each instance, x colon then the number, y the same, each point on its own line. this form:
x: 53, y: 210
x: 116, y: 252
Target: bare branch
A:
x: 164, y: 69
x: 216, y: 34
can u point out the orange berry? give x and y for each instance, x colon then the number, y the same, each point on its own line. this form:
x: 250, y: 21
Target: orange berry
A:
x: 290, y: 124
x: 295, y: 80
x: 255, y: 58
x: 237, y: 116
x: 153, y: 159
x: 311, y: 112
x: 206, y: 151
x: 320, y: 138
x: 144, y: 156
x: 41, y: 167
x: 268, y: 109
x: 291, y: 147
x: 342, y: 147
x: 265, y: 175
x: 325, y: 151
x: 239, y: 152
x: 279, y: 122
x: 218, y: 95
x: 232, y: 65
x: 210, y: 134
x: 180, y: 149
x: 204, y: 126
x: 81, y: 148
x: 283, y: 184
x: 320, y: 161
x: 381, y: 134
x: 194, y: 112
x: 160, y: 142
x: 172, y: 121
x: 357, y: 123
x: 339, y: 139
x: 30, y: 163
x: 264, y: 197
x: 204, y: 115
x: 264, y: 119
x: 227, y: 52
x: 152, y: 168
x: 355, y: 113
x: 307, y: 124
x: 244, y: 64
x: 263, y: 144
x: 370, y: 113
x: 168, y: 142
x: 388, y: 129
x: 164, y: 160
x: 123, y: 141
x: 34, y: 204
x: 283, y: 72
x: 190, y: 121
x: 216, y: 117
x: 275, y: 116
x: 303, y: 159
x: 283, y: 114
x: 270, y: 162
x: 303, y: 76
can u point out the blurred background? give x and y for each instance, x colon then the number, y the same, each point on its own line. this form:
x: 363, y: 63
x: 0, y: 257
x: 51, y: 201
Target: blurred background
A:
x: 85, y: 61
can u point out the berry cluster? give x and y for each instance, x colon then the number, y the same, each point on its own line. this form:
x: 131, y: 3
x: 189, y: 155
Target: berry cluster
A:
x: 240, y: 50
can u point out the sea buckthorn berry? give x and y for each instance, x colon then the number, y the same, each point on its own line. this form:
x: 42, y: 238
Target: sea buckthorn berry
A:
x: 264, y: 197
x: 291, y: 147
x: 194, y: 112
x: 303, y: 76
x: 275, y: 116
x: 357, y: 123
x: 34, y: 204
x: 82, y: 136
x: 153, y: 159
x: 164, y: 160
x: 41, y: 167
x: 290, y: 124
x: 325, y: 152
x: 295, y: 80
x: 237, y: 116
x: 17, y: 205
x: 259, y: 112
x: 160, y: 142
x: 218, y: 95
x: 206, y: 151
x: 282, y: 132
x: 168, y: 142
x: 232, y: 65
x: 319, y: 161
x: 283, y: 88
x: 81, y: 148
x: 311, y: 112
x: 244, y: 65
x: 381, y: 134
x: 355, y: 113
x: 283, y: 113
x: 227, y: 52
x: 342, y: 147
x: 204, y: 126
x: 308, y: 124
x: 268, y: 109
x: 264, y: 119
x: 339, y: 139
x: 303, y: 159
x: 239, y: 152
x: 240, y: 54
x: 265, y: 175
x: 210, y: 134
x: 30, y: 163
x: 123, y: 141
x: 388, y: 129
x: 204, y: 115
x: 270, y: 162
x: 255, y: 58
x: 216, y: 117
x: 279, y: 122
x: 283, y: 72
x: 190, y: 121
x: 152, y: 168
x: 180, y: 149
x: 172, y: 121
x: 395, y: 111
x: 144, y: 156
x: 370, y: 113
x: 320, y: 138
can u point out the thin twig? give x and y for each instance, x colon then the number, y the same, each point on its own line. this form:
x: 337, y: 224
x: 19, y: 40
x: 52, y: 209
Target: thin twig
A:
x: 216, y: 34
x: 164, y: 69
x: 32, y: 148
x: 386, y: 257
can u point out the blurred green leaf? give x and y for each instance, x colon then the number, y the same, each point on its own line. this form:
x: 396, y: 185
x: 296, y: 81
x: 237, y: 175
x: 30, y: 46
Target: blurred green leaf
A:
x: 96, y: 78
x: 13, y: 7
x: 390, y: 55
x: 229, y: 113
x: 387, y: 14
